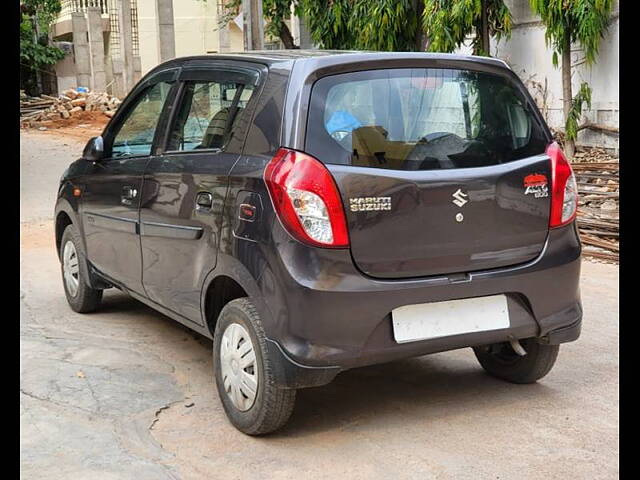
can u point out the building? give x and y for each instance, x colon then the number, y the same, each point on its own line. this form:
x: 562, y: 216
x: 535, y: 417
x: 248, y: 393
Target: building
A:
x: 110, y: 44
x: 527, y: 54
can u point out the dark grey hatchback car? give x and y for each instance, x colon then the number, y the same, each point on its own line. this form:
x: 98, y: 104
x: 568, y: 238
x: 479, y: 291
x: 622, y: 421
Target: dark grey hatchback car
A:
x: 317, y: 211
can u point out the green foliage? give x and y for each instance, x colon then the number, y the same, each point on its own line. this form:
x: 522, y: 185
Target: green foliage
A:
x: 36, y: 53
x: 394, y: 25
x: 388, y: 25
x: 36, y: 18
x: 448, y: 22
x: 570, y: 21
x: 275, y: 12
x: 328, y: 21
x: 583, y: 97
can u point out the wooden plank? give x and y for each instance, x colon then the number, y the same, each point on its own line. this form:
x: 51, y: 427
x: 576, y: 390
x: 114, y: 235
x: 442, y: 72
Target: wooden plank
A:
x: 597, y: 232
x: 598, y: 224
x: 598, y: 185
x: 591, y: 193
x: 603, y: 255
x: 595, y: 165
x: 596, y: 242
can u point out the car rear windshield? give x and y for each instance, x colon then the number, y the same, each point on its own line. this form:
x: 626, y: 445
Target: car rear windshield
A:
x: 421, y: 119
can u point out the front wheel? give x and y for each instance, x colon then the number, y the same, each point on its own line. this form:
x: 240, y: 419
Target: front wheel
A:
x: 501, y: 361
x: 80, y: 296
x: 244, y: 376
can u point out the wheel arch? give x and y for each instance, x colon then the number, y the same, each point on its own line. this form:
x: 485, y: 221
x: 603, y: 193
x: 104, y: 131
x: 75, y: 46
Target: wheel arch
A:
x: 65, y: 215
x: 62, y: 222
x: 228, y: 281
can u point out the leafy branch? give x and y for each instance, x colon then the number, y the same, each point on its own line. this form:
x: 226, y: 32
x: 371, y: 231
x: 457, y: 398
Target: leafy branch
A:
x: 36, y: 53
x: 582, y: 97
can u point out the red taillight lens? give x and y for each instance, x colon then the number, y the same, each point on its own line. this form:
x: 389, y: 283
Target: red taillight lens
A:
x: 306, y: 199
x: 564, y: 191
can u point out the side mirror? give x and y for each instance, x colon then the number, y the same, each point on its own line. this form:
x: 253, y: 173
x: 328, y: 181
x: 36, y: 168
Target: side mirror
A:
x: 94, y: 150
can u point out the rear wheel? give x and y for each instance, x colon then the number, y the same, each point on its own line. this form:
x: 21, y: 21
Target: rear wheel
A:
x: 80, y: 296
x: 244, y: 376
x: 501, y: 361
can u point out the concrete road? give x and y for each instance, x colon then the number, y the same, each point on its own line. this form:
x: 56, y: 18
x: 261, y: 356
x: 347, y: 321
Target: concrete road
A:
x: 126, y: 393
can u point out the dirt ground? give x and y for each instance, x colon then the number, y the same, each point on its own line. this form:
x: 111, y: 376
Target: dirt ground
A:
x: 80, y: 127
x: 127, y: 393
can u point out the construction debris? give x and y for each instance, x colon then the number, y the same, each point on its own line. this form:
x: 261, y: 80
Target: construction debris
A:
x: 598, y: 177
x: 36, y: 111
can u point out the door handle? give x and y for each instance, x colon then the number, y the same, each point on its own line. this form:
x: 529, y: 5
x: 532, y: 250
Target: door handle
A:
x: 204, y: 201
x: 128, y: 194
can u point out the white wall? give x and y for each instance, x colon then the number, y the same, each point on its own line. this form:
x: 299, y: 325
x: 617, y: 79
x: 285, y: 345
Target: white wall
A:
x: 528, y: 56
x: 194, y: 23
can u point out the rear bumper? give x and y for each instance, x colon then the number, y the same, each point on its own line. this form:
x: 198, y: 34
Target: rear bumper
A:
x: 565, y: 334
x: 326, y: 315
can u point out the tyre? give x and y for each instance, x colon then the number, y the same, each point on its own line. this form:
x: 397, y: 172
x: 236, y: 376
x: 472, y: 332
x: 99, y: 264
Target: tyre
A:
x: 80, y: 296
x: 244, y: 374
x: 501, y: 361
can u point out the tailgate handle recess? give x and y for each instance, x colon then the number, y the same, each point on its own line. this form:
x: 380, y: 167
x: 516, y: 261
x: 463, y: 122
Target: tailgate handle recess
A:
x: 459, y: 277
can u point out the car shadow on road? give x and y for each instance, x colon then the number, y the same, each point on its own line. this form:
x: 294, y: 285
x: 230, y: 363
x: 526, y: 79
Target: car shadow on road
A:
x: 445, y: 387
x: 449, y: 386
x: 116, y: 302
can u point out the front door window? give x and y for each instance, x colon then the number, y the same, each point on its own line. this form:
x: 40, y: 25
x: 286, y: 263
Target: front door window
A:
x: 134, y: 136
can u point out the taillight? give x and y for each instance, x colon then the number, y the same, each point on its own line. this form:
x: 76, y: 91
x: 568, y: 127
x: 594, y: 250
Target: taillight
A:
x: 306, y: 199
x: 564, y: 191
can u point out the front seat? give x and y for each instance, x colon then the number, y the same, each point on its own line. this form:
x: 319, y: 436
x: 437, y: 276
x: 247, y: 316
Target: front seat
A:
x: 214, y: 134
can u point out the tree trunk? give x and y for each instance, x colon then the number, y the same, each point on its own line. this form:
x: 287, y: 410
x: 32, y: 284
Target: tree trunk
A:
x: 484, y: 29
x: 567, y: 95
x: 287, y: 38
x: 421, y: 38
x: 36, y: 37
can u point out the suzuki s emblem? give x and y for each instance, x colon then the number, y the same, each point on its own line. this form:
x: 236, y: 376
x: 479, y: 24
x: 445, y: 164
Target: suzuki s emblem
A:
x: 460, y: 199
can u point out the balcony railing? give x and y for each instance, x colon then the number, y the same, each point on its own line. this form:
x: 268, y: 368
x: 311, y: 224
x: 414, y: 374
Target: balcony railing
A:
x: 74, y: 6
x: 109, y: 11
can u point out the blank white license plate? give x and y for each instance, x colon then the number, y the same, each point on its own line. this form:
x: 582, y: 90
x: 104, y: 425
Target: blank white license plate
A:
x: 453, y: 317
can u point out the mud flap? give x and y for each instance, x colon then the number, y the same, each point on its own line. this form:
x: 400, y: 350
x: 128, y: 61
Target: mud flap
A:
x: 290, y: 374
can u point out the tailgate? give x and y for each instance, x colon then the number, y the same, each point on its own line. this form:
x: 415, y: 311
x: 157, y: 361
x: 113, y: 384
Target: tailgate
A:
x: 410, y: 224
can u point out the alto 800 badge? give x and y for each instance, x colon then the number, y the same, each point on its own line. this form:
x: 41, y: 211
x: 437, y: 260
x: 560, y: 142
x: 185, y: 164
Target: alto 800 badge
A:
x: 369, y: 204
x: 536, y: 184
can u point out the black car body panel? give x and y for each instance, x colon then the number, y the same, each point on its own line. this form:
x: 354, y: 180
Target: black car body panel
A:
x: 420, y: 238
x: 323, y: 310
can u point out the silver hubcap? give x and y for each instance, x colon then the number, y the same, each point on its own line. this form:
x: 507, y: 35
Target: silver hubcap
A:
x: 70, y: 268
x: 238, y: 366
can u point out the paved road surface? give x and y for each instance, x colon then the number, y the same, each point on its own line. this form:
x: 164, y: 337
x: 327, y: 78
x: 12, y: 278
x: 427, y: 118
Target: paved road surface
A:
x: 126, y: 393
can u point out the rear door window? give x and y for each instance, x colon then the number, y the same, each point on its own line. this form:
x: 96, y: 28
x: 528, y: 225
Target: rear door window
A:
x: 421, y: 119
x: 208, y: 113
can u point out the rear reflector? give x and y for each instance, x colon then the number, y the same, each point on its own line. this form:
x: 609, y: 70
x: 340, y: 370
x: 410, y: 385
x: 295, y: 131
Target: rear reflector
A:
x: 564, y: 191
x: 306, y: 199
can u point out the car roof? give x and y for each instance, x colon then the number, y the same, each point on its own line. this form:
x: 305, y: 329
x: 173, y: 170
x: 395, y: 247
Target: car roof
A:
x: 322, y: 58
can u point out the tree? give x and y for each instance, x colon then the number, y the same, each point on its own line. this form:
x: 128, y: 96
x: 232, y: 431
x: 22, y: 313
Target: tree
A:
x: 567, y: 22
x: 390, y: 25
x: 36, y: 54
x: 343, y: 24
x: 405, y: 25
x: 449, y: 22
x: 275, y: 13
